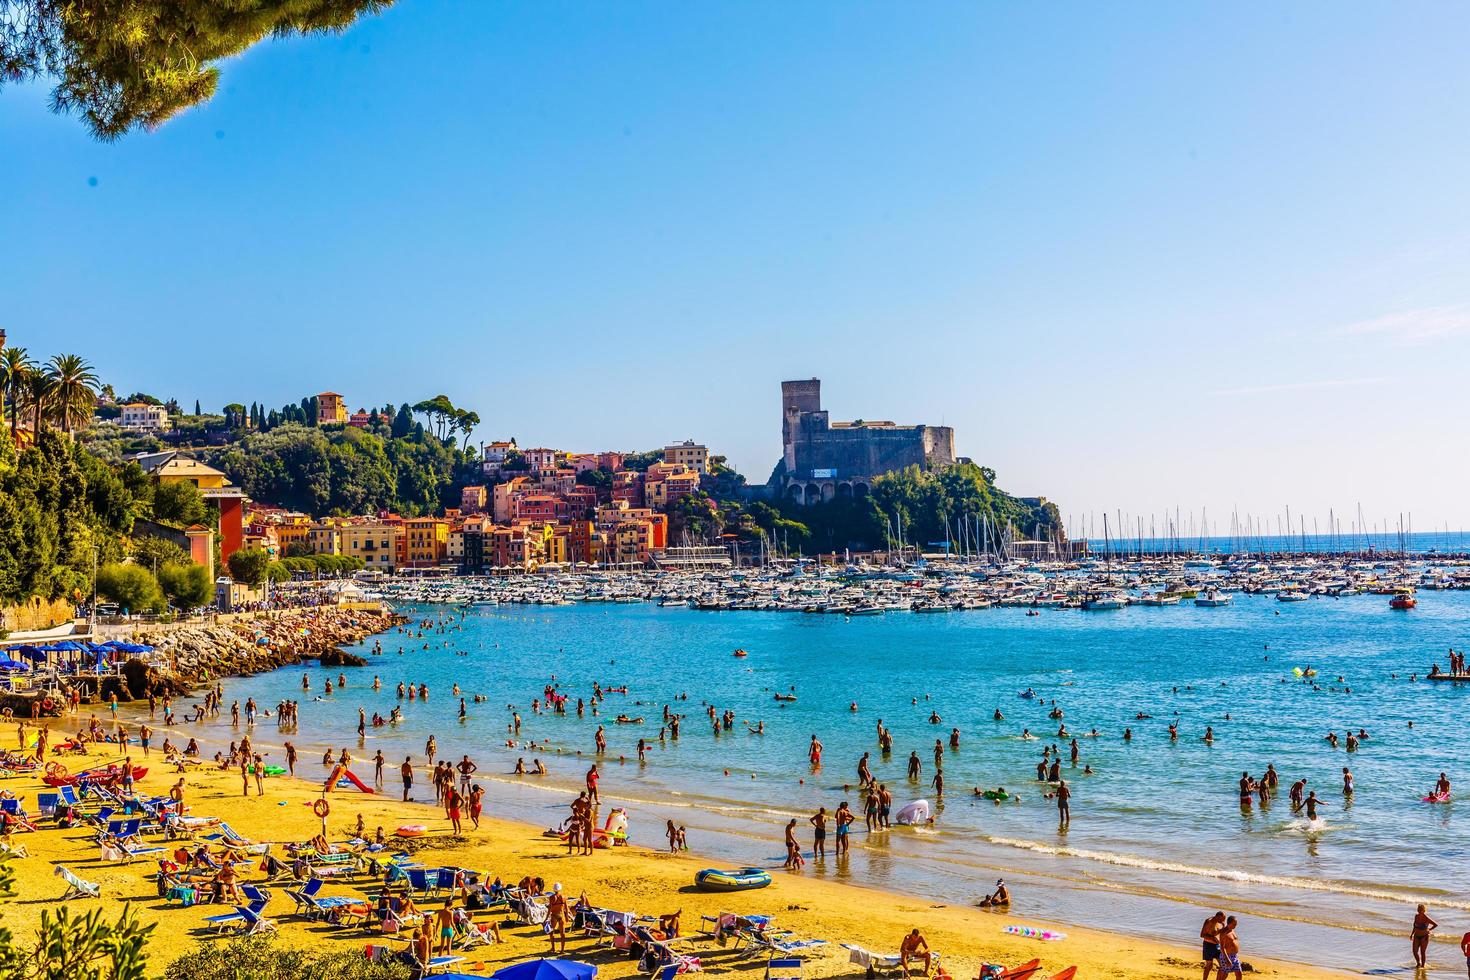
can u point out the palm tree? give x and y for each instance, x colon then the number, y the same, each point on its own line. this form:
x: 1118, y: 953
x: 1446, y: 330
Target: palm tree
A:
x: 73, y: 390
x: 14, y: 366
x: 37, y: 398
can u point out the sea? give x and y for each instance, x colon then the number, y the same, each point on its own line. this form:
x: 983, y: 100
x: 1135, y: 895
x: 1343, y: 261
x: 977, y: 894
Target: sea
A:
x: 1157, y: 840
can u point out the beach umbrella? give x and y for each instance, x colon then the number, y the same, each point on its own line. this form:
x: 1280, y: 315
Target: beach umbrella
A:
x: 30, y: 652
x: 546, y: 970
x: 7, y: 664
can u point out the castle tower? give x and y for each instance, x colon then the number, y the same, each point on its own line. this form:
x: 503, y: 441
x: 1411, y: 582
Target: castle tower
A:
x: 797, y: 397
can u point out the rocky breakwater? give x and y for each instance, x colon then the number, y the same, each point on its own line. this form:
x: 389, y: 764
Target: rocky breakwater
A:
x: 203, y: 654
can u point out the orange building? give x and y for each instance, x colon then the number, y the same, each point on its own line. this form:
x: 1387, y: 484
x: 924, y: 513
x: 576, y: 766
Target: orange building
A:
x: 330, y: 408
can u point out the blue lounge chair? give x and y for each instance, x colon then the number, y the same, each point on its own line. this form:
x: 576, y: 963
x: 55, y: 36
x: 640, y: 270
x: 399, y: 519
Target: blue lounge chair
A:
x: 243, y: 916
x: 46, y: 803
x: 303, y: 896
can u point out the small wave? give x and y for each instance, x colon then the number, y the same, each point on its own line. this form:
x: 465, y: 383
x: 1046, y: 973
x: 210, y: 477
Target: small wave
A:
x: 1226, y: 874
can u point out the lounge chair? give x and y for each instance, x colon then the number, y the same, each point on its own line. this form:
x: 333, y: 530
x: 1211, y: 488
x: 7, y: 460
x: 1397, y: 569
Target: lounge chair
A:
x: 244, y: 917
x: 303, y: 896
x: 77, y: 887
x: 46, y: 803
x: 774, y: 943
x: 875, y: 963
x: 783, y: 968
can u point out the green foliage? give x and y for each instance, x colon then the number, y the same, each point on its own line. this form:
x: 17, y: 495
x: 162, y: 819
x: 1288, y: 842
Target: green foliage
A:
x: 186, y: 586
x: 930, y: 503
x: 131, y: 586
x: 264, y: 959
x: 347, y: 470
x: 125, y: 65
x: 640, y: 462
x: 179, y: 504
x: 158, y: 552
x: 58, y: 504
x: 315, y: 565
x: 249, y: 566
x: 78, y: 947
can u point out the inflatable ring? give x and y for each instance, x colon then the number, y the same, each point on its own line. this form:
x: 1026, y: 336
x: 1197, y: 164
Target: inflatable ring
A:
x: 321, y: 808
x: 412, y: 830
x: 56, y: 770
x: 47, y: 704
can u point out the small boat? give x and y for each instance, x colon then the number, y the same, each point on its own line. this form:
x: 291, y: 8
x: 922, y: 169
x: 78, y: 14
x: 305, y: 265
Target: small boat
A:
x: 1211, y: 599
x: 786, y: 697
x: 1293, y: 595
x: 736, y: 880
x: 1403, y: 600
x: 1099, y: 602
x: 741, y: 653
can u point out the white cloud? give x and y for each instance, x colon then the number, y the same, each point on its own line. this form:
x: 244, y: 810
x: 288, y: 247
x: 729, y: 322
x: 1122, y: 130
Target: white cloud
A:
x: 1300, y: 386
x: 1416, y: 326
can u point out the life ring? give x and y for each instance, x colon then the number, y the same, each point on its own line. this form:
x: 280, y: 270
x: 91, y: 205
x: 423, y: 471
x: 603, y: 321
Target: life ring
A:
x: 56, y: 770
x: 412, y: 830
x: 47, y: 704
x: 321, y: 808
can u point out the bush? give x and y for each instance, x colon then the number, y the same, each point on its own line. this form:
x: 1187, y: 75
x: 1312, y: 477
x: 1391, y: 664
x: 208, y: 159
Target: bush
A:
x: 130, y: 586
x: 187, y: 586
x: 157, y: 552
x: 265, y: 959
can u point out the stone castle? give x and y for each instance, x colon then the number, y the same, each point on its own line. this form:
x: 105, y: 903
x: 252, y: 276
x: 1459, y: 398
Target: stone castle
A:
x: 825, y: 460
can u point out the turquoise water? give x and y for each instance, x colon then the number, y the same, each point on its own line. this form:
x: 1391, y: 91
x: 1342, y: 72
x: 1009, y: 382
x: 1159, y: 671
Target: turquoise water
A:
x: 1156, y: 833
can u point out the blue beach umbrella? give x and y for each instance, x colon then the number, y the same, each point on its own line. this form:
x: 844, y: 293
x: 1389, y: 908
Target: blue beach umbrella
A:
x: 7, y: 664
x: 547, y: 970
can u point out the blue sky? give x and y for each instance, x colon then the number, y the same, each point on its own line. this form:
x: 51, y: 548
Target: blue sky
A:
x: 1140, y: 256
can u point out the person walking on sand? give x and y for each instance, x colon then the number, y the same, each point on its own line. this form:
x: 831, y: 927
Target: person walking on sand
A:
x: 430, y: 747
x: 407, y: 772
x: 291, y: 759
x: 1419, y: 936
x: 1229, y: 951
x: 1209, y: 935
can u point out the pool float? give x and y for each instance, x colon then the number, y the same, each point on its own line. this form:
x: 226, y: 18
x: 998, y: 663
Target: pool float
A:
x: 1437, y: 798
x: 736, y: 880
x: 911, y: 814
x: 992, y: 794
x: 1031, y: 932
x: 411, y: 830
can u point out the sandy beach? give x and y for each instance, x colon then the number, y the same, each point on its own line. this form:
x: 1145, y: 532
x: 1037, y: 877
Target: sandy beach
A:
x: 633, y: 878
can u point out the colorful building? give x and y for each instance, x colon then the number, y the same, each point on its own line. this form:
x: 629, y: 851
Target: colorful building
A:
x: 376, y: 543
x: 690, y: 453
x: 143, y: 417
x: 426, y: 541
x: 331, y: 408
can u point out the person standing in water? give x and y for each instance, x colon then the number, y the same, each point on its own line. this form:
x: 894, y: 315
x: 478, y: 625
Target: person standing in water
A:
x: 1064, y: 805
x: 814, y: 752
x: 1419, y: 936
x: 818, y: 821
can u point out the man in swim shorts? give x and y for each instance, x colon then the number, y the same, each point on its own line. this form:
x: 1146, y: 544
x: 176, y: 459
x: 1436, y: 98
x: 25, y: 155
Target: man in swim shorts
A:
x: 819, y: 833
x: 1209, y: 935
x: 1229, y: 951
x: 844, y: 819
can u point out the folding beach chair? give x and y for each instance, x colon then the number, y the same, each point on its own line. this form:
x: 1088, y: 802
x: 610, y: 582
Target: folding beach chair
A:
x: 77, y: 887
x: 303, y: 896
x: 783, y: 968
x: 46, y: 803
x: 245, y: 917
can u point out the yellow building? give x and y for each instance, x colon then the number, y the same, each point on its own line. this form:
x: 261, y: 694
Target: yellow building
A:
x: 293, y: 534
x: 331, y: 407
x: 690, y: 453
x: 325, y: 538
x: 171, y: 467
x: 427, y: 540
x: 375, y: 543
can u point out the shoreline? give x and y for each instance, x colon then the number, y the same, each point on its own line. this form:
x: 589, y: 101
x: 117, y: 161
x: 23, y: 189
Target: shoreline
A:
x: 636, y: 878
